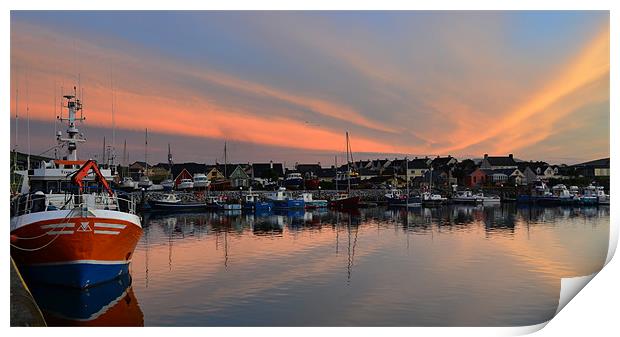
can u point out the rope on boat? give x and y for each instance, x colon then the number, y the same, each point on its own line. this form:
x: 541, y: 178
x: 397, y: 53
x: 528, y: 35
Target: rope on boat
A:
x: 36, y: 237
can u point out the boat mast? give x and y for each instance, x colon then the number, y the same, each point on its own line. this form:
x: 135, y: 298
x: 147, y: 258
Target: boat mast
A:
x: 146, y: 144
x: 113, y: 151
x: 16, y: 128
x: 125, y: 153
x: 336, y: 163
x: 407, y: 178
x: 169, y: 162
x: 73, y: 105
x: 348, y: 166
x: 103, y: 162
x: 28, y: 119
x: 225, y: 162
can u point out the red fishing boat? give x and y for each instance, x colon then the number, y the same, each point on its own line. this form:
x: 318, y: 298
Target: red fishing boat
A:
x: 67, y: 225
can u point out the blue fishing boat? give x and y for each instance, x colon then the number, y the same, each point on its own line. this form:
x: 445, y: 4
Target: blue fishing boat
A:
x: 252, y: 202
x: 282, y: 199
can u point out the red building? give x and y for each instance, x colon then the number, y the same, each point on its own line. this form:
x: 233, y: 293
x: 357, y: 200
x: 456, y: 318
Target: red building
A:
x: 477, y: 178
x: 183, y: 175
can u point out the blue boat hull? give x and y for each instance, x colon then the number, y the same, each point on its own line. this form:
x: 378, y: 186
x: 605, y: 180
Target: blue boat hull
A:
x: 77, y: 275
x: 258, y: 206
x: 288, y: 204
x: 80, y: 304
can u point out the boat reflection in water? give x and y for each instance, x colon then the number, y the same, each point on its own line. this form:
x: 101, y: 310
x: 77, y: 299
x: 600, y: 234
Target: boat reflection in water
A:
x: 381, y: 266
x: 111, y: 303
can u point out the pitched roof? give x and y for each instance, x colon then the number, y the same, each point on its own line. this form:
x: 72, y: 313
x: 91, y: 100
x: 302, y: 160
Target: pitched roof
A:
x: 531, y: 164
x: 305, y: 168
x: 192, y: 168
x: 441, y: 161
x: 600, y: 163
x: 260, y: 169
x: 501, y: 160
x: 508, y: 171
x: 419, y: 163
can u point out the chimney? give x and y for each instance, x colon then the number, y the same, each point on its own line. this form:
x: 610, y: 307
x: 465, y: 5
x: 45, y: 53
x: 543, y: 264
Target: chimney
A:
x: 319, y: 163
x: 486, y: 155
x: 271, y: 164
x: 510, y: 156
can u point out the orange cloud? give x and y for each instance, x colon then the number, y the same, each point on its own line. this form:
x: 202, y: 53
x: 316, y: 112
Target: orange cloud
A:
x: 591, y: 65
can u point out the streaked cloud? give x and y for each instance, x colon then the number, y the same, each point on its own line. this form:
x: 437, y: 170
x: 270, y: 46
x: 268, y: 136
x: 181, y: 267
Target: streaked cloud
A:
x: 444, y: 83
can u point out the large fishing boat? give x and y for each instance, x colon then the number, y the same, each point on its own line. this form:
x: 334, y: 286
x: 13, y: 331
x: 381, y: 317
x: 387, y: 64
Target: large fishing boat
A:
x: 67, y: 225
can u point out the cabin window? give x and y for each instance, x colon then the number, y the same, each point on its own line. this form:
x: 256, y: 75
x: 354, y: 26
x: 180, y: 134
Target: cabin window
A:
x: 52, y: 187
x: 37, y: 186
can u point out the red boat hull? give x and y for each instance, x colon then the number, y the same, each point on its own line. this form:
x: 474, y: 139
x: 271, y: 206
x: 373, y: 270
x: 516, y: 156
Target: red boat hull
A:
x: 75, y: 251
x: 347, y: 203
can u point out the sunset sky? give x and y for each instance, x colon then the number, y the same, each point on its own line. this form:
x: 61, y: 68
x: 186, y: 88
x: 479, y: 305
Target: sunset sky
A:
x: 287, y: 85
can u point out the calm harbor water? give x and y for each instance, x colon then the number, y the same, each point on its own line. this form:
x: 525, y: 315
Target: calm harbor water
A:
x: 450, y: 266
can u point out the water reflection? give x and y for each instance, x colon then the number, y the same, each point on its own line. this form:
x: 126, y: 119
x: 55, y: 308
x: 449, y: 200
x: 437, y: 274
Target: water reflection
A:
x: 376, y: 266
x: 109, y: 304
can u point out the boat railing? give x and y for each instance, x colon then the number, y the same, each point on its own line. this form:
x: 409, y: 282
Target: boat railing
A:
x: 39, y: 202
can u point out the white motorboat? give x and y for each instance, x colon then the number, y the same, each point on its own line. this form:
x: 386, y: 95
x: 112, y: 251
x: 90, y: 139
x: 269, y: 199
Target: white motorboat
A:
x: 488, y: 199
x: 430, y: 199
x: 465, y: 197
x: 129, y: 184
x: 145, y: 182
x: 201, y: 181
x: 167, y: 184
x: 185, y: 184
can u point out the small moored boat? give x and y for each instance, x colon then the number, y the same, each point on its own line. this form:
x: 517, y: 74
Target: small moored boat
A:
x: 171, y: 202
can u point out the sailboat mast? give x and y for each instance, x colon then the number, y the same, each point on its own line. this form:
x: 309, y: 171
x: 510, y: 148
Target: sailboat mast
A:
x: 146, y: 144
x: 169, y: 162
x: 225, y: 161
x: 407, y: 178
x: 113, y: 154
x: 28, y: 119
x: 336, y: 166
x: 125, y: 153
x: 103, y: 153
x: 348, y: 166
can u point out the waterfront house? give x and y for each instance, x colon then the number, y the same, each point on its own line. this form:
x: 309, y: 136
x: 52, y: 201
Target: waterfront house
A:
x: 239, y: 178
x: 593, y: 169
x: 418, y: 167
x: 184, y: 174
x: 362, y: 164
x: 477, y: 178
x: 462, y: 170
x: 532, y: 170
x: 507, y: 176
x: 379, y: 164
x: 366, y: 173
x: 267, y: 173
x: 215, y: 175
x: 327, y: 175
x: 443, y: 162
x: 529, y: 175
x: 498, y: 162
x: 308, y: 170
x: 137, y: 169
x: 440, y: 178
